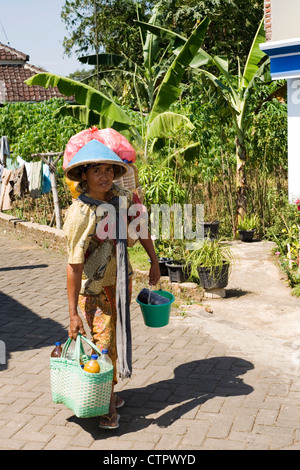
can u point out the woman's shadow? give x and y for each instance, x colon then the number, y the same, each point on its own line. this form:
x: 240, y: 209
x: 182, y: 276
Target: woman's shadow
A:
x: 193, y: 384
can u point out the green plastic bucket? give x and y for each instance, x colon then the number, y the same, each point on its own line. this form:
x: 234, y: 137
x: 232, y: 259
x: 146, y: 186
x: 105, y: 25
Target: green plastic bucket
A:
x: 157, y: 316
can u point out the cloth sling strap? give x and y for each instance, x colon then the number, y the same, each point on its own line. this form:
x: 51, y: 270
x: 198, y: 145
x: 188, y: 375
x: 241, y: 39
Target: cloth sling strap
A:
x: 123, y: 327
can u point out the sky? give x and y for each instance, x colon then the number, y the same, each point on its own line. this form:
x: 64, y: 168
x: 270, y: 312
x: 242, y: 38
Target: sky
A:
x: 35, y: 28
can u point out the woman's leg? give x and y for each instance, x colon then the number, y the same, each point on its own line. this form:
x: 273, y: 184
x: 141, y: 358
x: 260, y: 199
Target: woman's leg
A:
x: 100, y: 314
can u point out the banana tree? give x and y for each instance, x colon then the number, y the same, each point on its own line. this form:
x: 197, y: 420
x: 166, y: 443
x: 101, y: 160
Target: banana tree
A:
x: 145, y: 76
x: 236, y: 93
x: 159, y: 76
x: 93, y: 105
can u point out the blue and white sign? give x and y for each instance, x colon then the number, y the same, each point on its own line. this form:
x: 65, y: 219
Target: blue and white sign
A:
x: 284, y: 58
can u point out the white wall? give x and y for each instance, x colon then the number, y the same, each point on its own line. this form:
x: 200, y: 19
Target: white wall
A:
x: 293, y: 138
x: 285, y: 19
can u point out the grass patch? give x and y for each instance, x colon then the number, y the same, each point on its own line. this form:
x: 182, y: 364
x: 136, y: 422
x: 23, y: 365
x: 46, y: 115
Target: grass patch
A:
x: 138, y: 257
x: 296, y: 291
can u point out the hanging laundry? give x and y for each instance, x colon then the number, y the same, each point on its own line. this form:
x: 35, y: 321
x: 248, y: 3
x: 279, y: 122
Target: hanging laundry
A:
x: 1, y: 173
x: 18, y: 182
x: 46, y: 179
x: 46, y: 185
x: 21, y: 162
x: 4, y: 149
x: 36, y: 179
x: 5, y: 202
x: 4, y: 152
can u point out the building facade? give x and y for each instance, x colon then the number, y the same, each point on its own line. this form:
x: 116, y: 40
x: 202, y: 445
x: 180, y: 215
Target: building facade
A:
x: 282, y: 27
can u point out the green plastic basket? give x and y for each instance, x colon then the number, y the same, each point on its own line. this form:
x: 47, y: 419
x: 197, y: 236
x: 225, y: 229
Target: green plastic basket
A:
x: 157, y: 316
x: 86, y: 394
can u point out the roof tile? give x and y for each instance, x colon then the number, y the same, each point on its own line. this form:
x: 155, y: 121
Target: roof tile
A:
x: 14, y: 70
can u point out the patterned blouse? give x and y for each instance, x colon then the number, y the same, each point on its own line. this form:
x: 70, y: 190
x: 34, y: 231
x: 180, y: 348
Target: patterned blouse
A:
x: 98, y: 256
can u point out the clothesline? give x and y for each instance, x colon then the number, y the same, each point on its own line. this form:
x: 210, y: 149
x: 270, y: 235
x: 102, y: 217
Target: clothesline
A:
x: 43, y: 156
x: 38, y: 178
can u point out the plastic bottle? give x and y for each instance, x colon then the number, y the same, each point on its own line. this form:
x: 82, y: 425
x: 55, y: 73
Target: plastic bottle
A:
x: 105, y: 361
x: 57, y: 350
x: 71, y: 351
x: 129, y: 178
x: 92, y: 366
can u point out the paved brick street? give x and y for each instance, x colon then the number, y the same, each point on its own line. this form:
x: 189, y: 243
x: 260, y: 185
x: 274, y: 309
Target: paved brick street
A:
x: 192, y: 387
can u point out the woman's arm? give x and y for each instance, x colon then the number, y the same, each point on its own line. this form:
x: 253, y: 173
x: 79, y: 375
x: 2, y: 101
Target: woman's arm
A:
x: 154, y: 273
x: 146, y: 242
x: 74, y: 273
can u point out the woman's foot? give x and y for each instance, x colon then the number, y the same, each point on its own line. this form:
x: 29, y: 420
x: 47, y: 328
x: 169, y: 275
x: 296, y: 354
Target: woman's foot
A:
x: 109, y: 422
x: 119, y: 401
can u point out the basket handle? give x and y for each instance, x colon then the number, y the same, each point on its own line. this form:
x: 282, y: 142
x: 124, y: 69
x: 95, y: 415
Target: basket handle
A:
x: 79, y: 348
x: 66, y: 347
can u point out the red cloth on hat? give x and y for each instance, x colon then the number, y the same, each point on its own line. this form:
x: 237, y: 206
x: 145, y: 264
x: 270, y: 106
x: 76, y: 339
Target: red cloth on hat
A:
x: 109, y: 137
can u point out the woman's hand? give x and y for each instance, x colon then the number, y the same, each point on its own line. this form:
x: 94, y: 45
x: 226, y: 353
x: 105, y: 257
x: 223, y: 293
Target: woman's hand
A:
x: 74, y: 273
x: 76, y: 326
x: 154, y: 273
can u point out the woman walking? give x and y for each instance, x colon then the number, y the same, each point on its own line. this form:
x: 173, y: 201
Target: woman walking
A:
x: 99, y: 274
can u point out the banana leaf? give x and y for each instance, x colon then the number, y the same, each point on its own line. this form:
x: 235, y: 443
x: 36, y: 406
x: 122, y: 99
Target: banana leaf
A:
x: 186, y: 154
x: 151, y: 45
x: 169, y: 89
x: 162, y: 32
x: 89, y: 117
x: 84, y: 95
x: 167, y: 123
x: 200, y: 59
x: 80, y: 112
x: 255, y: 55
x: 103, y: 59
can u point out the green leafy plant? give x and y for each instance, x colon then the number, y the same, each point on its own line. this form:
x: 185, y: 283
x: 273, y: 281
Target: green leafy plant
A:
x: 160, y: 185
x: 248, y: 222
x: 210, y: 253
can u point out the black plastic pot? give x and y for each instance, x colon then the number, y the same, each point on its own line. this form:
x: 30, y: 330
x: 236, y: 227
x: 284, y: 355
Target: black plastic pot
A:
x: 211, y: 229
x: 162, y: 266
x: 246, y: 235
x: 216, y: 278
x: 178, y: 272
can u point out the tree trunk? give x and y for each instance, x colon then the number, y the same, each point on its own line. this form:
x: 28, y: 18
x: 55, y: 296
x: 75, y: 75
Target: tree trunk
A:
x: 241, y: 186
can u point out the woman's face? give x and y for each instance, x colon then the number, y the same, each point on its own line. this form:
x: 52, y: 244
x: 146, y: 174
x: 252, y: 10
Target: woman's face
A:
x: 99, y: 179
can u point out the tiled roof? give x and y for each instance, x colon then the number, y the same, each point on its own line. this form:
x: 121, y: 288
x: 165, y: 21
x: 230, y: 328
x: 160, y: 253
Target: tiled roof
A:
x: 8, y: 53
x: 14, y: 70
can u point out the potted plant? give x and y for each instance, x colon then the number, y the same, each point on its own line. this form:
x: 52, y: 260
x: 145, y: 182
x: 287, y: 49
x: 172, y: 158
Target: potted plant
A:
x: 211, y: 262
x: 247, y: 227
x: 178, y: 269
x: 211, y: 229
x: 164, y: 254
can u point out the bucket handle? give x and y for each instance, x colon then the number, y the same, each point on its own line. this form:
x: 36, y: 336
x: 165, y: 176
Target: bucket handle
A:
x: 151, y: 288
x: 149, y: 293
